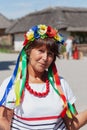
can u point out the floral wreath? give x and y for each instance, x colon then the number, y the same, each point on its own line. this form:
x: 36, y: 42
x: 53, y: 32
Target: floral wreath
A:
x: 42, y: 31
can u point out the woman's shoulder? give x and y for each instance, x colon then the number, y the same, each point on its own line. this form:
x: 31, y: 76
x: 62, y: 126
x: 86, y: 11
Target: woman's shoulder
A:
x: 67, y: 90
x: 5, y: 81
x: 4, y: 85
x: 10, y: 96
x: 63, y: 80
x: 64, y: 84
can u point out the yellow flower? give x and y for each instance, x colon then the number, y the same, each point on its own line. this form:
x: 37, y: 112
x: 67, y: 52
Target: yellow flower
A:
x: 57, y: 38
x: 42, y: 29
x: 30, y: 35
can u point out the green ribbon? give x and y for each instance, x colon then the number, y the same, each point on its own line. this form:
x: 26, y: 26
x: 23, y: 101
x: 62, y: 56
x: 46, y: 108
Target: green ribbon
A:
x: 24, y: 64
x: 71, y: 108
x: 51, y: 79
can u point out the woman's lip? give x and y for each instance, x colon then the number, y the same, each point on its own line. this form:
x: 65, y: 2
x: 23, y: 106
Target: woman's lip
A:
x: 42, y: 64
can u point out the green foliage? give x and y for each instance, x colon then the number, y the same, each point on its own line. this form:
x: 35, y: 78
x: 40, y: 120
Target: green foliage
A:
x: 6, y: 49
x: 62, y: 49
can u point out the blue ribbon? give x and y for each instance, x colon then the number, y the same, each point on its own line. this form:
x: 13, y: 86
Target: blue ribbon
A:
x: 9, y: 86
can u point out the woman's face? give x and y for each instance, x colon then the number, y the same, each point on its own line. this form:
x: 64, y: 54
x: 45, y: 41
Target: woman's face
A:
x: 40, y: 58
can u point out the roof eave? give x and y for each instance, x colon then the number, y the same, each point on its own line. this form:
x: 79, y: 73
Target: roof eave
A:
x: 77, y: 29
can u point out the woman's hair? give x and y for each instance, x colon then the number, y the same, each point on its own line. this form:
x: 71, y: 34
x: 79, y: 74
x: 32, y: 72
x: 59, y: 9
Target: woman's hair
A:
x: 49, y: 42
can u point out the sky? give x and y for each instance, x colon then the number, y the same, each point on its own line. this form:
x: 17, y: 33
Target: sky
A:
x: 14, y: 9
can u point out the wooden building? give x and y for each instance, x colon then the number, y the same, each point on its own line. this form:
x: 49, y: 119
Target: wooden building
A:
x: 4, y: 24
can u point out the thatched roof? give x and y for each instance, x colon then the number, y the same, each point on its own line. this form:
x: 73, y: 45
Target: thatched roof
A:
x: 4, y: 22
x: 71, y: 19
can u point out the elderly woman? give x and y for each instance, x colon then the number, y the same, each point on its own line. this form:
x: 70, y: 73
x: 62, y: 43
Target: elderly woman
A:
x: 35, y: 97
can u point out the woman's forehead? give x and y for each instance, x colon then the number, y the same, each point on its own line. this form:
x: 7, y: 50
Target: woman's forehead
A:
x: 44, y: 46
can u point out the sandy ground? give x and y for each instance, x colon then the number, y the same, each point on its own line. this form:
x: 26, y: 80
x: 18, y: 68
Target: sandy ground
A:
x: 74, y: 71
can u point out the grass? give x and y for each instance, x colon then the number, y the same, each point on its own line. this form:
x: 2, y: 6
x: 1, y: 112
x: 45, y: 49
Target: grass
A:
x: 6, y: 49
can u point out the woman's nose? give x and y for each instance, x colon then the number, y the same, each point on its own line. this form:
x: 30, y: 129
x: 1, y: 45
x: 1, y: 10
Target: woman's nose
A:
x: 45, y: 56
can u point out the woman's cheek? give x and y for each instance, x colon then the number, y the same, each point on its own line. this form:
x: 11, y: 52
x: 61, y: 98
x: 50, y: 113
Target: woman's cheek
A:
x: 50, y: 61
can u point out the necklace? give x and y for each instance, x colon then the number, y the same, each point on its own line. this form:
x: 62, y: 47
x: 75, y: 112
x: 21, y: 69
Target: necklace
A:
x: 35, y: 93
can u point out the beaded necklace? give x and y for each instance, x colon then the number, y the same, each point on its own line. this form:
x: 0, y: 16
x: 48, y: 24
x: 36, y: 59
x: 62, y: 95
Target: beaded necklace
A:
x: 35, y: 93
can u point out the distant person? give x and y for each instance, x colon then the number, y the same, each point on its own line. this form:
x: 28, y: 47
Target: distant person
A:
x: 69, y: 44
x: 76, y: 53
x: 35, y: 97
x: 75, y: 43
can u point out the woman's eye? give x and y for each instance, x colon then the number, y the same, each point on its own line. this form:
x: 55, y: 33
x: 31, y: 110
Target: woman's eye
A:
x: 40, y: 50
x: 50, y: 54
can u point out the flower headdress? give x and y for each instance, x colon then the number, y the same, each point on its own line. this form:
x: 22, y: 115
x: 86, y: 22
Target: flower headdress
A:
x: 42, y: 31
x: 19, y: 75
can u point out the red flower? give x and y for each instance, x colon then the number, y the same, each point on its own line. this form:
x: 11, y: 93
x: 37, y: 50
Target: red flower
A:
x: 51, y: 32
x: 25, y: 41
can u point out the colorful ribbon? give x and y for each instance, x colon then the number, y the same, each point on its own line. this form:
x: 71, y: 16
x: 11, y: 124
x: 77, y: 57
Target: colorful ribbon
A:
x: 20, y: 81
x: 12, y: 80
x: 53, y: 77
x: 9, y: 86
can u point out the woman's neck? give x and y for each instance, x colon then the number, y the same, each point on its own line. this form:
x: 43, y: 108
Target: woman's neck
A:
x: 36, y: 77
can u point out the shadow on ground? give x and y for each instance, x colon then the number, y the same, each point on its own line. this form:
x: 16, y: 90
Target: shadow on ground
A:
x: 5, y: 65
